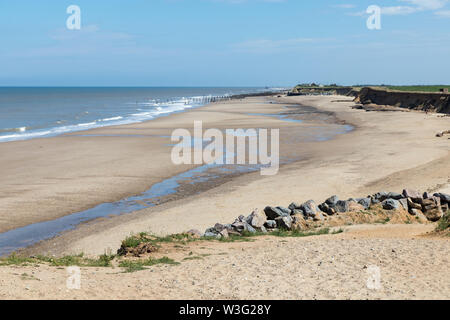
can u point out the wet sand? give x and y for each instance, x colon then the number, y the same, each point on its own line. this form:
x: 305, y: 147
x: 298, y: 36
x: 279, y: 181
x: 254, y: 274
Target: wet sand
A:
x: 75, y: 177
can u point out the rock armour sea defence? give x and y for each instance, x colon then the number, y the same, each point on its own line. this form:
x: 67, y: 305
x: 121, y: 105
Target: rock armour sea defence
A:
x: 407, y: 207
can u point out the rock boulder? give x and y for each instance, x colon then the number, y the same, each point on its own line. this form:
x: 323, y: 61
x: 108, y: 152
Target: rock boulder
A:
x: 391, y: 204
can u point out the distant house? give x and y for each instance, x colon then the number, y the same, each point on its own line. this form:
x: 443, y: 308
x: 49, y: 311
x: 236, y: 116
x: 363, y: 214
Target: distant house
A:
x: 444, y: 90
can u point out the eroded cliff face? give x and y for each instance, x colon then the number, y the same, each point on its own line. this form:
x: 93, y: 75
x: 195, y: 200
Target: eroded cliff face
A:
x: 343, y: 91
x: 433, y: 102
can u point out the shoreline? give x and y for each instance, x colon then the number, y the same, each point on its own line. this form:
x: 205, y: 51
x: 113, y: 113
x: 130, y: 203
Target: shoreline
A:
x: 330, y: 161
x: 122, y: 119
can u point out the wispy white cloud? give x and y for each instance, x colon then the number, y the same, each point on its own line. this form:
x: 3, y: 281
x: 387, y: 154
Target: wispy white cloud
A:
x: 272, y: 46
x: 443, y: 13
x: 88, y: 41
x: 344, y: 6
x: 89, y: 32
x: 409, y: 7
x: 427, y: 4
x: 398, y: 10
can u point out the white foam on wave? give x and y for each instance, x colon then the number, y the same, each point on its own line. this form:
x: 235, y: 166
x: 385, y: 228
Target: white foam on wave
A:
x: 150, y: 110
x: 111, y: 119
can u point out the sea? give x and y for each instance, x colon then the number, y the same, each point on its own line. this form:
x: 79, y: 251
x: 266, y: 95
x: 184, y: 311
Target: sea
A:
x: 37, y: 112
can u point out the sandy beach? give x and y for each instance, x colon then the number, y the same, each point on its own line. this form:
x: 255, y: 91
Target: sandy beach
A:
x: 386, y: 151
x: 44, y: 179
x: 271, y: 268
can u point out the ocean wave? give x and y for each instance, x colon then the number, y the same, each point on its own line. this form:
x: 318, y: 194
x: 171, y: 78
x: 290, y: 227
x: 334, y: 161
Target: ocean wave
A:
x: 111, y: 119
x: 150, y: 109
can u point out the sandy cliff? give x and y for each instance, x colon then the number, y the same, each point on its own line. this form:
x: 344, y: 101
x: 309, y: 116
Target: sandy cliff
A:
x: 426, y: 101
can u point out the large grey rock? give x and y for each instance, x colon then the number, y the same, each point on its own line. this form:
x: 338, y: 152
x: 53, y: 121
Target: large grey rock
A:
x: 274, y: 212
x: 257, y: 220
x: 394, y: 195
x: 373, y: 200
x: 270, y: 224
x: 381, y: 196
x: 427, y: 195
x: 413, y: 194
x: 324, y: 207
x: 211, y: 230
x: 445, y: 198
x: 342, y: 206
x: 240, y: 226
x: 284, y: 222
x: 327, y: 209
x: 228, y: 227
x: 212, y: 233
x: 219, y: 227
x: 309, y: 208
x: 285, y: 210
x: 365, y: 202
x: 294, y: 206
x: 391, y: 204
x: 404, y: 203
x: 332, y: 201
x: 250, y: 229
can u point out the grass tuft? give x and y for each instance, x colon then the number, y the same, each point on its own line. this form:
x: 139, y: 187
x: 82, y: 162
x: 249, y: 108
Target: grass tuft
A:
x: 66, y: 261
x: 299, y: 234
x: 137, y: 265
x: 444, y: 223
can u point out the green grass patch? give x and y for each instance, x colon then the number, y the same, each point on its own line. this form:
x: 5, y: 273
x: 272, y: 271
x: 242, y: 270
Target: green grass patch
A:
x: 137, y: 265
x: 66, y: 261
x: 193, y: 258
x: 433, y: 88
x: 246, y: 236
x: 299, y: 234
x: 135, y: 240
x: 383, y: 221
x: 25, y: 276
x: 16, y: 260
x: 444, y: 223
x: 131, y: 242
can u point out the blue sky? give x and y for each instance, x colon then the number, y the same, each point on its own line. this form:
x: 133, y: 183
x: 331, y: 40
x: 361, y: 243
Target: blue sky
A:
x: 223, y: 43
